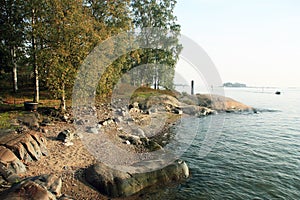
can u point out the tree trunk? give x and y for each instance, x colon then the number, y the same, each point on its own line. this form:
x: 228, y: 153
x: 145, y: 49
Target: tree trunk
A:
x: 36, y: 85
x: 36, y: 96
x: 14, y: 70
x: 15, y: 77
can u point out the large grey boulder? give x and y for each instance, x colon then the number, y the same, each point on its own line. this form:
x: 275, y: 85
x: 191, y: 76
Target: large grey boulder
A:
x: 130, y: 180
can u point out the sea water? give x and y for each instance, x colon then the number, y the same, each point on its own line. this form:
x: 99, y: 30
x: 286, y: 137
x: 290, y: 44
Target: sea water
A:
x: 252, y: 156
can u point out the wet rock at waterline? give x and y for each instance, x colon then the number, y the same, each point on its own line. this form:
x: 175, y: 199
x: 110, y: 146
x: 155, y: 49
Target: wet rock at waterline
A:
x: 135, y: 178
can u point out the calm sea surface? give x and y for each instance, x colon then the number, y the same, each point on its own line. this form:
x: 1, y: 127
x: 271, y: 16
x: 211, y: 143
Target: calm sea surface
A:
x: 253, y: 156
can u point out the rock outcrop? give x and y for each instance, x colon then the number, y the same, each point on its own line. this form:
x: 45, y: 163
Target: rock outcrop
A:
x: 158, y: 102
x: 27, y: 147
x: 116, y: 183
x: 10, y: 165
x: 221, y: 103
x: 17, y: 149
x: 197, y: 111
x: 195, y: 105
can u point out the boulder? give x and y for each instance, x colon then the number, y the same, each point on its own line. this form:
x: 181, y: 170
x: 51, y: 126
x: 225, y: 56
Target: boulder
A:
x: 27, y: 190
x: 221, y: 103
x: 51, y: 182
x: 41, y: 141
x: 17, y: 149
x: 17, y: 146
x: 44, y: 187
x: 135, y: 178
x: 32, y: 148
x: 26, y: 147
x: 10, y: 163
x: 8, y: 174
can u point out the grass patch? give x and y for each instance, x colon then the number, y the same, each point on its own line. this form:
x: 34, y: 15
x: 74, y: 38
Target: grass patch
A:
x: 6, y: 119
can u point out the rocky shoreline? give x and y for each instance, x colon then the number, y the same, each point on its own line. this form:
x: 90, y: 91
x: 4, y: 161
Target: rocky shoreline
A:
x: 48, y: 153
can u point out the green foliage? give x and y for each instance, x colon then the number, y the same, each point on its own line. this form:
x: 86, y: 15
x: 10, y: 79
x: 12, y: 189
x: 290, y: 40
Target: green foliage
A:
x: 55, y: 36
x: 68, y: 34
x: 12, y: 36
x: 158, y: 14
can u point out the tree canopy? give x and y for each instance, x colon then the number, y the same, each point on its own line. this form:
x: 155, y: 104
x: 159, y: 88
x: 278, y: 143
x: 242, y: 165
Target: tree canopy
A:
x: 53, y: 37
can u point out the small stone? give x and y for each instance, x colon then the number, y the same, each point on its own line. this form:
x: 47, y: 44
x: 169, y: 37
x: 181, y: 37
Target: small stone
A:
x: 93, y: 130
x: 45, y: 130
x: 78, y: 135
x: 64, y: 118
x: 123, y: 113
x: 136, y: 105
x: 65, y: 135
x: 152, y: 111
x: 118, y: 120
x: 68, y: 143
x: 129, y: 119
x: 80, y: 122
x: 98, y: 126
x: 178, y: 111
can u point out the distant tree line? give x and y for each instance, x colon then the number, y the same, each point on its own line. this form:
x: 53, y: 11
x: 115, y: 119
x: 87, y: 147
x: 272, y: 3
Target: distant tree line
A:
x: 51, y: 38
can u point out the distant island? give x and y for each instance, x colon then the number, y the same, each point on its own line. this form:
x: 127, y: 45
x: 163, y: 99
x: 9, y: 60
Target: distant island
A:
x: 228, y: 84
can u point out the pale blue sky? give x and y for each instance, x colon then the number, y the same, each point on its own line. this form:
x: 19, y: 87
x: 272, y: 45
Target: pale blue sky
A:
x: 256, y: 42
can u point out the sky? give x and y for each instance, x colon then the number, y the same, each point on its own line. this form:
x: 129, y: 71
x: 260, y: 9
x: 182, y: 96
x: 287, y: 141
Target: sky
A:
x: 256, y: 42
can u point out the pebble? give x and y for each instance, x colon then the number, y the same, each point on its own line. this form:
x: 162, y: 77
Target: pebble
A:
x: 68, y: 143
